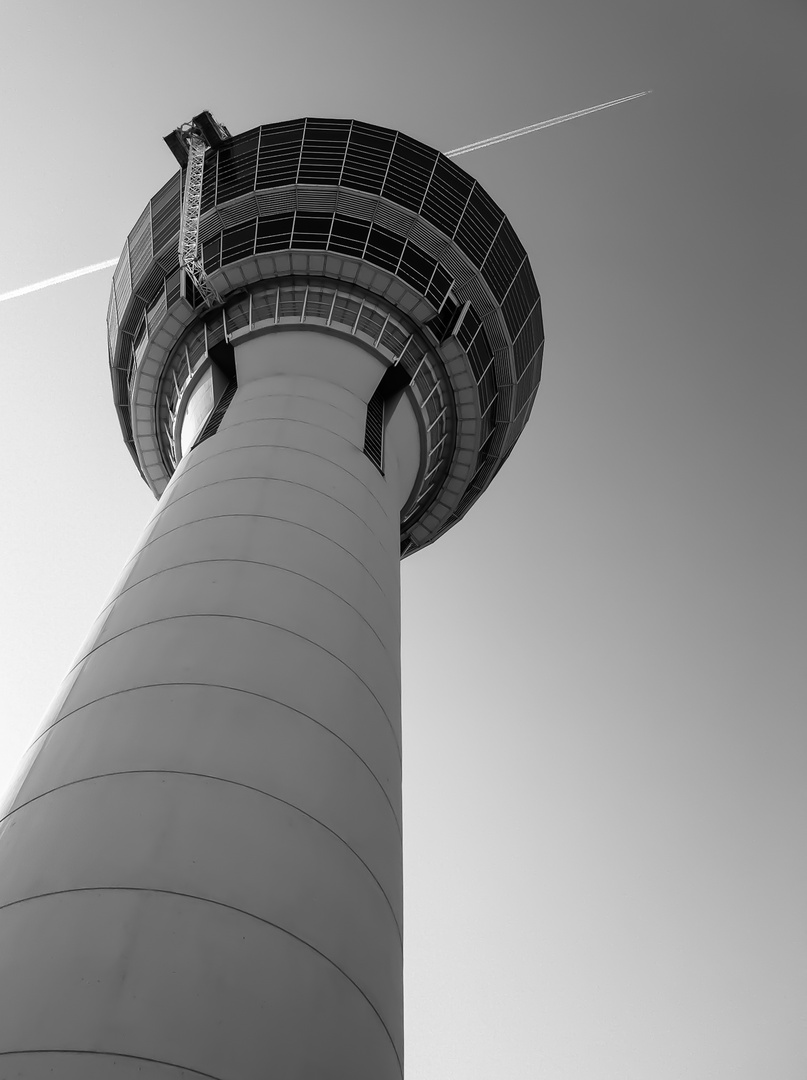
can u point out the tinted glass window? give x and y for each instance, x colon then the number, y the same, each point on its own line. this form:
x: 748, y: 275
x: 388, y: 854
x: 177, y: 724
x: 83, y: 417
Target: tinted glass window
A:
x: 447, y: 195
x: 324, y: 149
x: 238, y: 243
x: 211, y: 253
x: 384, y: 248
x: 368, y: 154
x: 237, y: 163
x: 349, y: 235
x: 416, y: 267
x: 504, y: 261
x: 274, y: 234
x: 410, y: 168
x: 311, y: 230
x: 279, y: 154
x: 478, y: 226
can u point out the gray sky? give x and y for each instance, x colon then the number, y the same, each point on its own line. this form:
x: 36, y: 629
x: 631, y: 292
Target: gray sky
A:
x: 604, y: 686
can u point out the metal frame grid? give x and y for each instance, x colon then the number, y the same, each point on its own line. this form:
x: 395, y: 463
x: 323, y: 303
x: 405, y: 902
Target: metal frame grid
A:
x: 327, y: 195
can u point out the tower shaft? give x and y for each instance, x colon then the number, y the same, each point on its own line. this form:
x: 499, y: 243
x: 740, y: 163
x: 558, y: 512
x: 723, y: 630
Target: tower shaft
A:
x: 200, y: 870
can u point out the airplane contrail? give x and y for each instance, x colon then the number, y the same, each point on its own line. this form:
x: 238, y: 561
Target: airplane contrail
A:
x: 492, y: 141
x: 541, y: 125
x: 56, y: 280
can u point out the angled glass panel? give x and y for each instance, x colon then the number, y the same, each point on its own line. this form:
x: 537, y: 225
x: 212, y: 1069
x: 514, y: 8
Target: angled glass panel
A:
x: 279, y: 154
x: 528, y: 342
x: 416, y: 267
x: 447, y: 195
x: 479, y: 355
x: 368, y: 154
x: 311, y: 230
x: 469, y: 328
x: 410, y: 169
x: 208, y: 179
x: 519, y: 300
x: 384, y: 248
x: 504, y: 261
x: 165, y: 211
x: 211, y: 253
x: 349, y: 235
x: 238, y: 242
x: 140, y: 246
x: 438, y: 289
x: 274, y: 234
x: 478, y: 226
x: 323, y: 153
x: 237, y: 163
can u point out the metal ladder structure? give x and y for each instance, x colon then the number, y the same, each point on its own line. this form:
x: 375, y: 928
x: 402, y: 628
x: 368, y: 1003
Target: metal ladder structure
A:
x: 189, y: 144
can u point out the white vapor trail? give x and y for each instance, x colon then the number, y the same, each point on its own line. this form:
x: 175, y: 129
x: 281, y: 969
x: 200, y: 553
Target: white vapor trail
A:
x: 46, y: 284
x: 540, y: 126
x: 25, y: 289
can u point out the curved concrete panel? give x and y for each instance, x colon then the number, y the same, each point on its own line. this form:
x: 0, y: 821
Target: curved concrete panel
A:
x: 200, y: 862
x: 176, y: 979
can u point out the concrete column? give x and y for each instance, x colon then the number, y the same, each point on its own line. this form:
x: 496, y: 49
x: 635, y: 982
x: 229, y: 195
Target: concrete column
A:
x: 200, y: 863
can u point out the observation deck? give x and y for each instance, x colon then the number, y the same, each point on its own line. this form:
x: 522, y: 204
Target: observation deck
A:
x: 346, y: 228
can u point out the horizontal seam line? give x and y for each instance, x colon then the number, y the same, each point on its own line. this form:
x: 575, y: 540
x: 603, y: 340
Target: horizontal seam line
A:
x: 263, y: 517
x: 295, y: 449
x: 276, y: 479
x: 221, y: 780
x: 233, y: 689
x: 249, y: 562
x: 216, y: 903
x: 116, y: 1053
x: 239, y: 618
x: 247, y: 398
x: 291, y: 420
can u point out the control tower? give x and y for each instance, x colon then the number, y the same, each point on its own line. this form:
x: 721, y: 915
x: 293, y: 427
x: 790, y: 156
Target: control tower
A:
x: 325, y: 339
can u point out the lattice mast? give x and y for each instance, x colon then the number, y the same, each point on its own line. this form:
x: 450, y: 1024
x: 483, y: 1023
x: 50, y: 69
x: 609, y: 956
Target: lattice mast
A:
x: 189, y: 144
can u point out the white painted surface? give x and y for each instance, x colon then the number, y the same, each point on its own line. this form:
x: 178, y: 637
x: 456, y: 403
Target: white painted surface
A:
x: 200, y: 866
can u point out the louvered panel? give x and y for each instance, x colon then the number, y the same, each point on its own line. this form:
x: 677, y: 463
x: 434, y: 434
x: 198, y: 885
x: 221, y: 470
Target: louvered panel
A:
x: 281, y: 201
x: 169, y: 259
x: 496, y: 336
x: 504, y: 402
x: 238, y: 212
x: 423, y: 236
x: 214, y: 420
x: 360, y: 206
x: 374, y: 430
x: 499, y: 440
x: 209, y: 226
x: 394, y: 219
x: 140, y: 251
x: 502, y: 367
x: 123, y: 280
x: 134, y: 314
x: 126, y: 423
x: 165, y: 213
x: 457, y: 267
x: 318, y: 200
x: 157, y: 310
x: 120, y: 386
x: 474, y: 291
x: 112, y: 322
x: 151, y: 283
